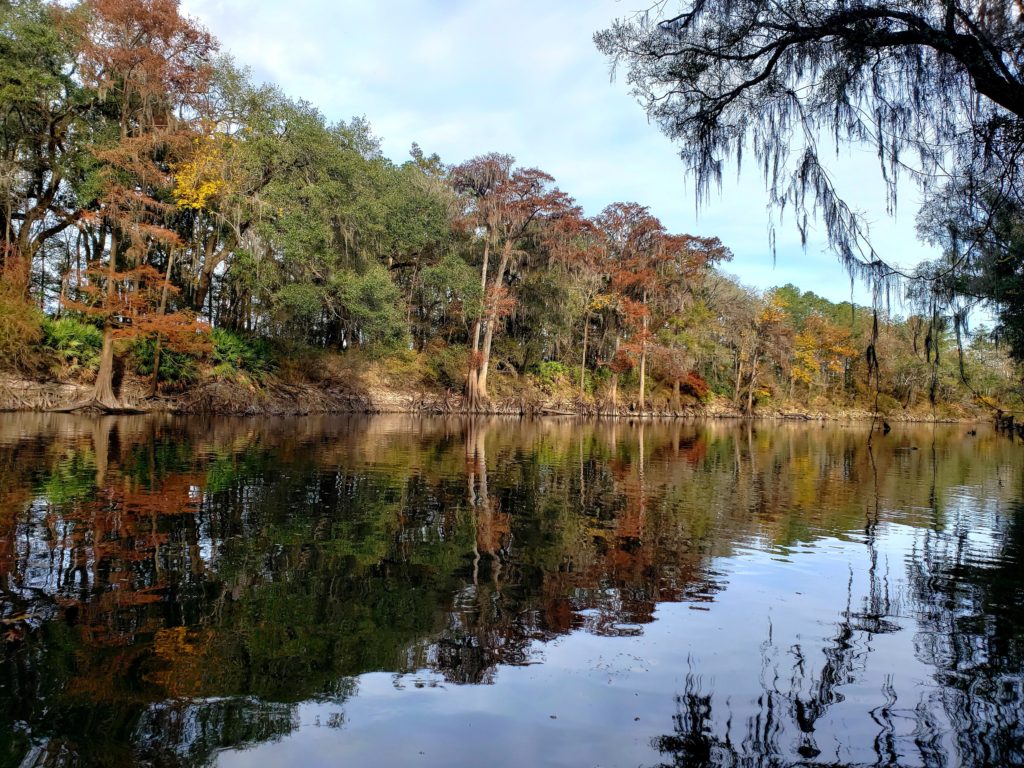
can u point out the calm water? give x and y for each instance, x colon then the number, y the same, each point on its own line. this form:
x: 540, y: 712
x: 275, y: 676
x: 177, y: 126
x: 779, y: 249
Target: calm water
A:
x: 399, y: 591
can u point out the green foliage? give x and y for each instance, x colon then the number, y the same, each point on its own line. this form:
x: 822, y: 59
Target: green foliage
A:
x: 235, y: 353
x: 176, y: 368
x: 446, y: 366
x: 36, y: 53
x: 298, y: 307
x: 550, y: 372
x: 372, y: 306
x: 598, y: 378
x: 450, y: 289
x: 547, y: 311
x: 77, y: 344
x: 801, y: 305
x: 405, y: 211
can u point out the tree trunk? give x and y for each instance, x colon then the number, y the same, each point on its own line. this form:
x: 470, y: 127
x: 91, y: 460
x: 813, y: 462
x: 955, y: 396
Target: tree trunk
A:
x: 155, y: 380
x: 643, y: 356
x: 485, y: 358
x: 210, y: 262
x: 210, y: 294
x: 643, y: 373
x: 473, y: 374
x: 103, y: 389
x: 492, y: 320
x: 739, y: 379
x: 750, y: 389
x: 583, y: 363
x: 473, y: 397
x: 677, y: 402
x: 615, y: 378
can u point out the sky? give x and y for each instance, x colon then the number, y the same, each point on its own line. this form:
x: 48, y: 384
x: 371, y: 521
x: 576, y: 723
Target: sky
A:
x: 465, y: 77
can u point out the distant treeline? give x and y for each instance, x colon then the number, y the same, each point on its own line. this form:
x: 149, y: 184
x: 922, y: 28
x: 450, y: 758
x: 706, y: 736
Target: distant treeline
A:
x: 163, y: 212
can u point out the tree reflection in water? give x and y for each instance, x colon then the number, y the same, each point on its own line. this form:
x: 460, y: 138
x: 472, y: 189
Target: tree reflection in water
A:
x: 967, y: 599
x: 172, y: 587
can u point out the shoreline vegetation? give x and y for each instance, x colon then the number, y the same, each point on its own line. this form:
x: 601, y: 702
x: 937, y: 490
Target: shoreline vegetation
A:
x: 175, y: 236
x: 278, y: 398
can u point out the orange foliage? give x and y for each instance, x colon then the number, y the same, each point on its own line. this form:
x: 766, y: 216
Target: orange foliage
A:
x: 131, y: 306
x: 695, y: 385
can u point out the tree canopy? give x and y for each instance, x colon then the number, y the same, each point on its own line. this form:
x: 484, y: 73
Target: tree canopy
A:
x: 163, y: 215
x: 934, y: 86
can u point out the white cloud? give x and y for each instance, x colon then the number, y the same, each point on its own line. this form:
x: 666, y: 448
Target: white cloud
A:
x: 463, y: 77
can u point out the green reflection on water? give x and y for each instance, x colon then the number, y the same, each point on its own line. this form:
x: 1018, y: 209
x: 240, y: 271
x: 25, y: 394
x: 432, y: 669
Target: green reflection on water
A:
x: 172, y: 587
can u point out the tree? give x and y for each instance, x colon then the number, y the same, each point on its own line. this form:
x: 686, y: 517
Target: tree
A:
x: 506, y: 205
x: 635, y: 240
x: 145, y: 65
x: 44, y: 108
x: 576, y: 251
x: 982, y: 239
x: 448, y: 298
x: 822, y: 351
x: 682, y: 267
x: 936, y: 81
x: 653, y: 275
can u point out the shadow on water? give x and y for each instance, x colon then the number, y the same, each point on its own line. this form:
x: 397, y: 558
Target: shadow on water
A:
x: 171, y: 587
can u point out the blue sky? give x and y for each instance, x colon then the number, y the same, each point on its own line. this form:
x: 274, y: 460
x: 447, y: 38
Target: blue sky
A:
x: 463, y: 77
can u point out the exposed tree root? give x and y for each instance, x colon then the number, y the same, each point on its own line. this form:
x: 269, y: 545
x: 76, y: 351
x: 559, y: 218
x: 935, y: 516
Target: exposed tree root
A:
x: 96, y: 404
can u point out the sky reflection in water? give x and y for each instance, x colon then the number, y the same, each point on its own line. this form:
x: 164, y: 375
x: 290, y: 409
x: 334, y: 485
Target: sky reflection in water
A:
x: 402, y: 591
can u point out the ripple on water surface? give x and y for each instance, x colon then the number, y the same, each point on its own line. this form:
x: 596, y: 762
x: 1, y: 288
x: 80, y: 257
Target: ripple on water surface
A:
x: 397, y: 590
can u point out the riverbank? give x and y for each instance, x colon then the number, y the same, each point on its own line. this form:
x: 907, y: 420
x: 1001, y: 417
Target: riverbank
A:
x: 274, y: 396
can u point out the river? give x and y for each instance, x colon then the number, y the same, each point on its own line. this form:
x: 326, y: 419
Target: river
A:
x: 397, y: 590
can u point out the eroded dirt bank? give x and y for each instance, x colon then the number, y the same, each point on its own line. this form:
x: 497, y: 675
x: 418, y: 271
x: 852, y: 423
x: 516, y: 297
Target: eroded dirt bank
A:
x: 277, y: 397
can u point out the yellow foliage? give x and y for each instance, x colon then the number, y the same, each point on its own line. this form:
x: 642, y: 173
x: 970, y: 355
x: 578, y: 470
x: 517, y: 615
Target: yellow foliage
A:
x: 20, y: 321
x: 176, y: 667
x: 200, y: 180
x: 821, y: 346
x: 174, y: 642
x: 772, y: 314
x: 805, y: 359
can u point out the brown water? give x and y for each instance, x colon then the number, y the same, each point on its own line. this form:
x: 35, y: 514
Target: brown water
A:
x: 403, y: 591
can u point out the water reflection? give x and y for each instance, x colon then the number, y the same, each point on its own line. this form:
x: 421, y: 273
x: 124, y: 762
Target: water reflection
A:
x: 176, y: 590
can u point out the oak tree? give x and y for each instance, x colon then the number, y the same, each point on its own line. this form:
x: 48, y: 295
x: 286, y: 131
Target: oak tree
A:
x: 935, y: 88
